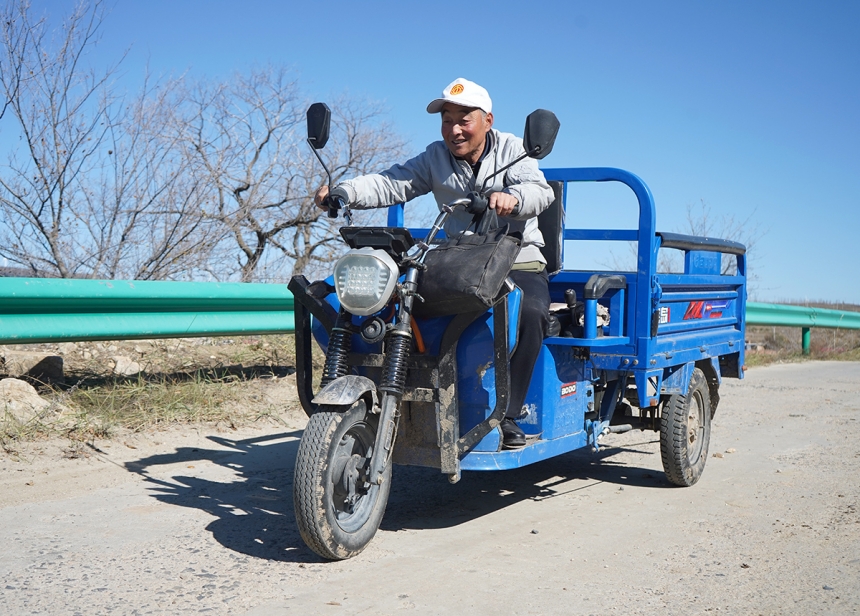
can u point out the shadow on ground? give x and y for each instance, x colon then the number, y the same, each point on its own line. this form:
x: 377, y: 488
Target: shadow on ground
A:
x: 253, y: 509
x: 237, y: 372
x: 422, y: 498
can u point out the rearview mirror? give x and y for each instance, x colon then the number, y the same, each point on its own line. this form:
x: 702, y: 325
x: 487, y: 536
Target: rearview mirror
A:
x: 540, y: 133
x: 319, y: 121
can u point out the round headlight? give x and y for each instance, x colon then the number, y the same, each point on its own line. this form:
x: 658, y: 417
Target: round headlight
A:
x: 364, y: 279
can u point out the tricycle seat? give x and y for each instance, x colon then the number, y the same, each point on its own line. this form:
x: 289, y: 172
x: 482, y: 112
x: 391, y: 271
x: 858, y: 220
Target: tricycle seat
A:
x: 551, y: 225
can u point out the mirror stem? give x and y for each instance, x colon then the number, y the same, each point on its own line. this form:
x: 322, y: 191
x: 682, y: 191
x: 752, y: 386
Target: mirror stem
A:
x: 319, y: 158
x: 505, y: 168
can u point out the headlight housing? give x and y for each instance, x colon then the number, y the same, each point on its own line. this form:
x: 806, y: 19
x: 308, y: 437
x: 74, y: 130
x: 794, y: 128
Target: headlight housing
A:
x: 364, y: 279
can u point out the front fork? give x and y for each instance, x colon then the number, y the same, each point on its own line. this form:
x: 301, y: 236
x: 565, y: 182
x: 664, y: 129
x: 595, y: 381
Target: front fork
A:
x: 393, y: 382
x: 398, y: 347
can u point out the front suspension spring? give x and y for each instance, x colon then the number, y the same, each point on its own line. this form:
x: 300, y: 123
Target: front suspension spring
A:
x: 337, y: 355
x: 394, y: 371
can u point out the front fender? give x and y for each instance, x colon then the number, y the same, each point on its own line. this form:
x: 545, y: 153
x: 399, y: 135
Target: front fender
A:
x: 346, y: 390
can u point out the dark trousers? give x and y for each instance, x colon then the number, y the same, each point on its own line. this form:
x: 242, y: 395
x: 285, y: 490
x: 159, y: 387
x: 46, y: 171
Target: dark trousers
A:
x: 530, y: 335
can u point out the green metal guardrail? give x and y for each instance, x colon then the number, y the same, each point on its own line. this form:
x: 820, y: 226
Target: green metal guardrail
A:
x: 801, y: 316
x: 66, y: 310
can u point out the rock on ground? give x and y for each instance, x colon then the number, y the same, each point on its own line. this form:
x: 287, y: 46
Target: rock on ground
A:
x: 20, y: 400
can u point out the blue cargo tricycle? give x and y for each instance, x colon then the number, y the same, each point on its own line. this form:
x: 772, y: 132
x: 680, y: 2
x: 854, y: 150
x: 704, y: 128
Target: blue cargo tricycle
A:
x: 626, y: 350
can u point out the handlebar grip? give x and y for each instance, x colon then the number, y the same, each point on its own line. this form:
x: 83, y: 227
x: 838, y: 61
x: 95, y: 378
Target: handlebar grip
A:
x: 333, y: 204
x: 478, y: 203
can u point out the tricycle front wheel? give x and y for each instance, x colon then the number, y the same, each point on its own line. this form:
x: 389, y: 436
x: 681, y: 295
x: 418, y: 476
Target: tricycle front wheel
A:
x: 685, y: 432
x: 337, y: 511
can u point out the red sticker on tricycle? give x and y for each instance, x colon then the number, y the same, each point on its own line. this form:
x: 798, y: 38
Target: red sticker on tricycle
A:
x: 568, y: 389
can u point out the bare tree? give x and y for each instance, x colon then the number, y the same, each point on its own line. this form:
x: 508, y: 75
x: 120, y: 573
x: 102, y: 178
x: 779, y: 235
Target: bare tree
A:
x: 702, y: 222
x: 245, y: 139
x: 148, y: 214
x: 16, y: 42
x: 94, y: 188
x: 63, y: 114
x: 360, y: 144
x: 177, y: 181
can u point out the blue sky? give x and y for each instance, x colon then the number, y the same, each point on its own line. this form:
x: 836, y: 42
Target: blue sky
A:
x: 753, y: 107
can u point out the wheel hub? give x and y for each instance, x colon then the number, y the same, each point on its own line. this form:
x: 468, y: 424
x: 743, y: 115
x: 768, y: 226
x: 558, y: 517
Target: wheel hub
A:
x: 351, y: 480
x: 349, y: 472
x: 695, y: 427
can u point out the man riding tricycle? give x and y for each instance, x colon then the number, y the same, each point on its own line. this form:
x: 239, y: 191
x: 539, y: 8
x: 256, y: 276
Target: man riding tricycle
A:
x: 468, y: 347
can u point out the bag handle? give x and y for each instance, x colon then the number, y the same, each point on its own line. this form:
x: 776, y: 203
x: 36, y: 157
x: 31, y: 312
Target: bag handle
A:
x: 486, y: 222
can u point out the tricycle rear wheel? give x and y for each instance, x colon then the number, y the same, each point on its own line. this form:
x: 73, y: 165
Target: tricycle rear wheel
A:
x: 337, y: 511
x: 685, y: 432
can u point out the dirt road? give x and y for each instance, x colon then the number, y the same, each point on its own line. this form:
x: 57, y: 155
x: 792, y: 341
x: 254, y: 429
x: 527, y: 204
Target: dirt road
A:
x: 191, y: 521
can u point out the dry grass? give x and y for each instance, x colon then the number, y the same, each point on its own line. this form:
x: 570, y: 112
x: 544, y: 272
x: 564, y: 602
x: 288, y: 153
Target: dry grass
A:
x: 785, y: 344
x: 229, y: 382
x: 147, y: 402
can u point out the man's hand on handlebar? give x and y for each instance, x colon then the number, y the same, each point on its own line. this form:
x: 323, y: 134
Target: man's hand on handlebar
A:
x: 320, y: 196
x: 503, y: 203
x: 331, y: 201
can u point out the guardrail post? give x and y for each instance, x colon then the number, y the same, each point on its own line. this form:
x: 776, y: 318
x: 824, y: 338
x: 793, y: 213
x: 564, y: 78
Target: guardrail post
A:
x: 801, y: 316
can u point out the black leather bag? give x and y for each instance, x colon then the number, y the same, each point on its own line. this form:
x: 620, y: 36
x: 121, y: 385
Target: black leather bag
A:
x: 467, y: 273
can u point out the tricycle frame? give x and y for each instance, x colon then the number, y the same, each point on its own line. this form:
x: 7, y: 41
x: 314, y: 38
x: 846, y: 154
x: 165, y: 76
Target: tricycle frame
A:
x: 644, y: 353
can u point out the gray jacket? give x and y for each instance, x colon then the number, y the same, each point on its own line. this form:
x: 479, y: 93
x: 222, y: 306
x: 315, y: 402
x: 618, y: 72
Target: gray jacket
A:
x: 436, y: 170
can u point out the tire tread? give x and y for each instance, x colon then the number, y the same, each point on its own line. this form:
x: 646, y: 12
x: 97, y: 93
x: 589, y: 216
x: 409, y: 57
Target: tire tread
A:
x: 309, y: 461
x: 673, y: 433
x: 311, y: 490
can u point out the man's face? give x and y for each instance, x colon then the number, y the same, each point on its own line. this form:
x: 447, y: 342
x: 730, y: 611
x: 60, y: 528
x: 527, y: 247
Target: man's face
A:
x: 464, y: 130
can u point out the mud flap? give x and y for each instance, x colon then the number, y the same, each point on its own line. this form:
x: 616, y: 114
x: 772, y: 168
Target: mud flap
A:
x: 346, y: 390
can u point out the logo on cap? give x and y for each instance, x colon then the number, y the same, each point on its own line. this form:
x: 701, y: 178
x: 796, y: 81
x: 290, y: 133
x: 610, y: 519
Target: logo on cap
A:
x: 457, y: 89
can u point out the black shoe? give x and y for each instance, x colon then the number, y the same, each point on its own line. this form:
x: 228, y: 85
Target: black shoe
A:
x: 512, y: 435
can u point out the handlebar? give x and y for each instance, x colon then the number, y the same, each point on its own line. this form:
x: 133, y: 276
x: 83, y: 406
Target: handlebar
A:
x: 477, y: 203
x: 333, y: 204
x: 437, y: 224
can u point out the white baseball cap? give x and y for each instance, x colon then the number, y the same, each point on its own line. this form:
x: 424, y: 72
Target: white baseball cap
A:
x: 463, y: 92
